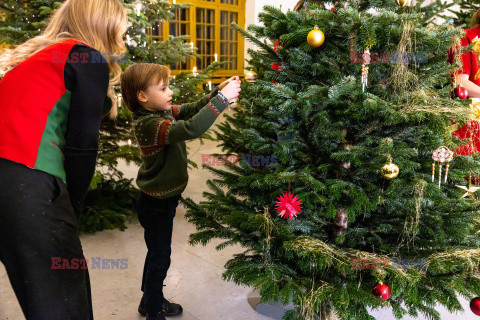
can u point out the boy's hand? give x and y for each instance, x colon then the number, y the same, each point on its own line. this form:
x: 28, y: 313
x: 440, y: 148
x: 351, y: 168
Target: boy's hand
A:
x: 224, y: 83
x: 232, y: 88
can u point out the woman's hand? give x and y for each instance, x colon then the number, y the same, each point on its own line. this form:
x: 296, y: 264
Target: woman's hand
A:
x: 472, y: 89
x: 224, y: 83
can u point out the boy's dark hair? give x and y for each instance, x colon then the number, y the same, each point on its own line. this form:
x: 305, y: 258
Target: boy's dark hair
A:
x: 138, y: 77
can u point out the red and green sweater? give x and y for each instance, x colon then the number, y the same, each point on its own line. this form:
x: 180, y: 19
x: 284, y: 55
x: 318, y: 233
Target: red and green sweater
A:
x: 51, y: 107
x: 161, y: 136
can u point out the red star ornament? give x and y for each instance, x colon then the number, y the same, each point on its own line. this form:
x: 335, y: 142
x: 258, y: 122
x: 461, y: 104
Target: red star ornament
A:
x: 288, y: 206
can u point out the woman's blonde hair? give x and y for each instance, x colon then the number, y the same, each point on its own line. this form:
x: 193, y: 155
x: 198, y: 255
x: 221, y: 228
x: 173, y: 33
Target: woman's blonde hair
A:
x: 98, y: 23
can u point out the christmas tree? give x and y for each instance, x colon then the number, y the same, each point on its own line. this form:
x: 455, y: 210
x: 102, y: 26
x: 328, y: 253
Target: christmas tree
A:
x: 345, y: 120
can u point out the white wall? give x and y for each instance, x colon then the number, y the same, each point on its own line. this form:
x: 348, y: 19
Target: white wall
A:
x: 254, y: 7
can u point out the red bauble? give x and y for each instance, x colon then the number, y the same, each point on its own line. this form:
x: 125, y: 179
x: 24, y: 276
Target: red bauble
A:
x: 461, y: 92
x: 333, y: 9
x: 276, y: 66
x: 288, y: 205
x: 475, y: 305
x: 382, y: 290
x: 276, y: 45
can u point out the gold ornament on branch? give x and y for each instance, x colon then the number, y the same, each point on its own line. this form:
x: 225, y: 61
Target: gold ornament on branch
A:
x: 443, y: 156
x: 315, y: 38
x: 390, y: 170
x: 403, y: 3
x: 250, y: 77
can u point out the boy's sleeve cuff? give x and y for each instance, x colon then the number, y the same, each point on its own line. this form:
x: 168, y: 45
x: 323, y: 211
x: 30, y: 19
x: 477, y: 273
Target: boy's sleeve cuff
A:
x: 219, y: 104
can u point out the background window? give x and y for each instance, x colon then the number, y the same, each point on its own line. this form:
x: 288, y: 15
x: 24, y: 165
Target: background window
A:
x: 180, y: 26
x: 155, y: 32
x: 228, y: 40
x: 205, y: 37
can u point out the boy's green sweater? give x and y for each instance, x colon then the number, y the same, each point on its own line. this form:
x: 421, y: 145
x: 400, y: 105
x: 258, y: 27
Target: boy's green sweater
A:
x: 161, y: 136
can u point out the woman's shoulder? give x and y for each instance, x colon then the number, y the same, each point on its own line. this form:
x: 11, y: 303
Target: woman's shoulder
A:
x: 82, y: 47
x: 472, y: 33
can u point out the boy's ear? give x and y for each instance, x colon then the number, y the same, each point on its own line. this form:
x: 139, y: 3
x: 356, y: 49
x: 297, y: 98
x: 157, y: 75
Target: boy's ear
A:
x: 141, y: 96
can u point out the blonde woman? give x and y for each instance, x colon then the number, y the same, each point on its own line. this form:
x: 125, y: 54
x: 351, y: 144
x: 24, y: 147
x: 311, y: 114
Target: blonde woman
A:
x: 52, y: 95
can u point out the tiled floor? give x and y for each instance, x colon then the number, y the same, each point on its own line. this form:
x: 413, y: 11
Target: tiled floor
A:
x: 194, y: 279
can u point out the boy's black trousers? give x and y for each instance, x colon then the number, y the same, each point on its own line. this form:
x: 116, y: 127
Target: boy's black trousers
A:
x: 37, y: 223
x: 156, y: 217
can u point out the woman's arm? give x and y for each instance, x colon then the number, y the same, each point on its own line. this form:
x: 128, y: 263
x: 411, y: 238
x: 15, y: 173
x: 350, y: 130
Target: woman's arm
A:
x: 472, y: 89
x: 88, y: 83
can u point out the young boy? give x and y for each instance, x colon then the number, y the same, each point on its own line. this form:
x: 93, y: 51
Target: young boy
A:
x: 161, y: 130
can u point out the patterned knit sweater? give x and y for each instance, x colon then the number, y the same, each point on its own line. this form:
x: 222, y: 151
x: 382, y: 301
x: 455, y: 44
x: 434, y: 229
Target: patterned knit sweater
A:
x: 161, y: 136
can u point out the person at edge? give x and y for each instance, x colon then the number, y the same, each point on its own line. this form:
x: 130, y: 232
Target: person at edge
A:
x: 465, y: 77
x: 53, y: 89
x: 161, y: 130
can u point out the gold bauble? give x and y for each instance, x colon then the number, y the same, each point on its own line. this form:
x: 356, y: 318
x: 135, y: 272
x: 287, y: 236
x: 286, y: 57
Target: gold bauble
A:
x: 315, y: 37
x: 390, y: 170
x: 403, y: 3
x: 250, y: 77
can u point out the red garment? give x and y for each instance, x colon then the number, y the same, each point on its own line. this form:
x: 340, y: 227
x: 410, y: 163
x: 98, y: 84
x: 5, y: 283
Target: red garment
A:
x: 34, y: 110
x: 470, y: 66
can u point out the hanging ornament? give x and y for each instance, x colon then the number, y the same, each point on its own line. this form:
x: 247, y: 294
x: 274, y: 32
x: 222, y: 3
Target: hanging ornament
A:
x: 390, y: 170
x: 250, y: 77
x: 443, y: 156
x: 277, y: 67
x: 403, y: 3
x: 288, y: 205
x: 460, y: 92
x: 315, y: 38
x: 382, y: 291
x: 366, y: 62
x: 475, y: 305
x: 276, y: 45
x: 470, y: 190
